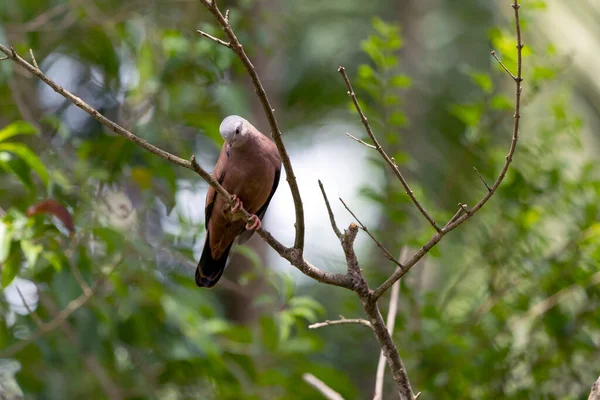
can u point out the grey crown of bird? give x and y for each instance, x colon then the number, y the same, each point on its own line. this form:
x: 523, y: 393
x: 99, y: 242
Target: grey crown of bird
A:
x: 248, y: 168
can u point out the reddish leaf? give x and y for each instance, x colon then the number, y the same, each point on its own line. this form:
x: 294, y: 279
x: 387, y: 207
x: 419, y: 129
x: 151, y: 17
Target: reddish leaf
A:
x: 55, y: 208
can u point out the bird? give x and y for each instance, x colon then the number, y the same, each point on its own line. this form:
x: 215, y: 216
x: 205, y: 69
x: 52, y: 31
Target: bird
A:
x: 249, y: 167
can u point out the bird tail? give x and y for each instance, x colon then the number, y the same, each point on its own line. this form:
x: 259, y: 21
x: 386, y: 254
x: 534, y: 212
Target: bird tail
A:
x: 209, y: 270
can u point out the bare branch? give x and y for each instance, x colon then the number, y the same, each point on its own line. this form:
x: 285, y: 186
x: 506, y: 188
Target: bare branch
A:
x: 482, y: 180
x: 340, y: 322
x: 361, y: 141
x: 382, y: 152
x: 511, y: 151
x: 35, y: 64
x: 336, y: 230
x: 238, y: 49
x: 387, y: 254
x: 214, y: 39
x: 318, y: 384
x: 503, y: 66
x: 391, y: 322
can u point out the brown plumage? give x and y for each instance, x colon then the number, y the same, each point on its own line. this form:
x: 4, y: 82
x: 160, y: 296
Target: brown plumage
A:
x: 248, y: 168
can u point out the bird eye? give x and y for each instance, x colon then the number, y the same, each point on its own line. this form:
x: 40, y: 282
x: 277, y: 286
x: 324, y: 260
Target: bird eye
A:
x: 237, y: 131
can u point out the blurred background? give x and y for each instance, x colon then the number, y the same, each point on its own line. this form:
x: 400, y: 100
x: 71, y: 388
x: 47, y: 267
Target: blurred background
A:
x: 506, y: 307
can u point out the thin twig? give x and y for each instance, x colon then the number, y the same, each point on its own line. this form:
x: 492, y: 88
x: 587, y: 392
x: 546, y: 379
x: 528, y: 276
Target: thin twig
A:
x: 238, y: 49
x: 35, y: 64
x: 382, y: 152
x: 503, y: 66
x: 36, y: 318
x: 482, y: 180
x: 454, y: 217
x: 340, y: 322
x: 336, y: 230
x: 391, y: 321
x: 318, y: 384
x: 214, y: 39
x: 508, y: 160
x: 361, y: 141
x: 387, y: 254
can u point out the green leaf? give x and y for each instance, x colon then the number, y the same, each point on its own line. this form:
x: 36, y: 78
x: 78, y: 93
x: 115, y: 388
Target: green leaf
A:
x: 401, y: 81
x: 484, y: 81
x: 11, y: 266
x: 6, y: 235
x: 469, y: 114
x: 19, y: 168
x: 29, y: 157
x: 31, y: 251
x: 501, y: 102
x: 17, y: 128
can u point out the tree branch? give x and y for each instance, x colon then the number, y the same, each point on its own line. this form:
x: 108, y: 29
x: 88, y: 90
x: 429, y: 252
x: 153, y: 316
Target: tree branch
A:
x: 391, y: 322
x: 343, y: 321
x: 511, y: 151
x: 325, y: 390
x: 238, y: 49
x: 369, y: 304
x: 382, y: 152
x: 387, y: 254
x: 336, y: 230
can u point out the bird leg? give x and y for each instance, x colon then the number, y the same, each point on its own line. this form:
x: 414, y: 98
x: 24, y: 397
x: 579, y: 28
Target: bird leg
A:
x: 256, y: 224
x: 238, y: 204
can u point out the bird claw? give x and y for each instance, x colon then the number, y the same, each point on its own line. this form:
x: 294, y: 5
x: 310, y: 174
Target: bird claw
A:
x: 256, y: 223
x: 237, y: 204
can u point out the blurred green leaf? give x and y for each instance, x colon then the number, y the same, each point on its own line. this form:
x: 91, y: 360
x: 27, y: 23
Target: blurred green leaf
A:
x: 29, y: 157
x: 16, y: 128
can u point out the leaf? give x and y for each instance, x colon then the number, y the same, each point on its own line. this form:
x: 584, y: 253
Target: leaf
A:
x: 17, y: 128
x: 53, y: 207
x: 29, y: 157
x: 401, y: 81
x: 31, y: 251
x: 6, y: 235
x: 11, y: 266
x: 484, y: 81
x: 20, y: 169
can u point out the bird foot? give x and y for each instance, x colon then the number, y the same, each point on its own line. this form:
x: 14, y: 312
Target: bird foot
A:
x: 254, y: 223
x: 237, y: 204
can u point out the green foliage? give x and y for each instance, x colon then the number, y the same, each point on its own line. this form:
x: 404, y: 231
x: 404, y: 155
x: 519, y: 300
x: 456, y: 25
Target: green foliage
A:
x: 504, y: 307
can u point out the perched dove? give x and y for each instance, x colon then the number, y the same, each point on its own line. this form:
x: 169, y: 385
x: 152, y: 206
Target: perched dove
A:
x: 248, y: 168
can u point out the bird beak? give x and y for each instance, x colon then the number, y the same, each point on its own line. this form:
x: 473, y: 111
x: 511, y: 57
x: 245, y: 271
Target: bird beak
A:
x: 228, y: 148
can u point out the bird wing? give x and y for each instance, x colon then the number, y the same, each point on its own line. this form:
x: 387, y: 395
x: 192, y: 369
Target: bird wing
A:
x: 246, y: 234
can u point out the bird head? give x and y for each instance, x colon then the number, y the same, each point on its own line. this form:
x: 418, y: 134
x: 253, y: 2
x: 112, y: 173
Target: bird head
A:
x: 235, y: 130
